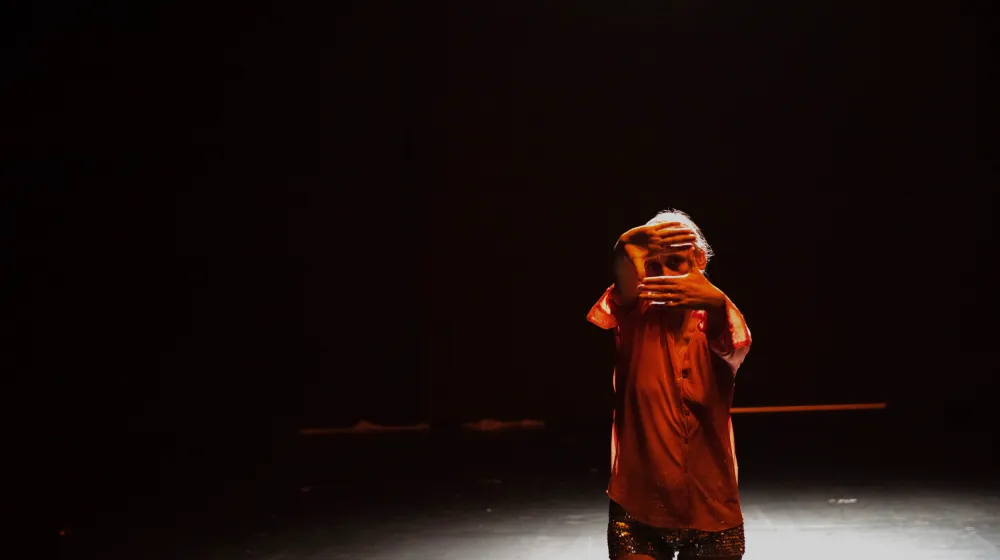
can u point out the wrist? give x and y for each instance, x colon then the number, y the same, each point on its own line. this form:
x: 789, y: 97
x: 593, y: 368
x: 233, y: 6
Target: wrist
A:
x: 716, y: 301
x: 629, y: 237
x: 716, y: 318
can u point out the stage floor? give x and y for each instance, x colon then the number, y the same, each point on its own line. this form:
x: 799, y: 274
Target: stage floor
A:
x: 837, y: 488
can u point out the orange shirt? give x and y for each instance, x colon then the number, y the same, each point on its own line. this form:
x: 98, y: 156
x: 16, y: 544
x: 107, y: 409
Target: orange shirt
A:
x: 673, y: 459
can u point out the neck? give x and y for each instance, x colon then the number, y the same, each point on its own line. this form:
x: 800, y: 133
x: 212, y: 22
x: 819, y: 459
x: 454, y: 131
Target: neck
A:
x: 673, y: 318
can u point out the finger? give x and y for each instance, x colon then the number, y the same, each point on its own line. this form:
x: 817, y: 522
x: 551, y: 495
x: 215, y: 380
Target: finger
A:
x: 665, y: 299
x: 666, y: 225
x: 657, y: 289
x: 681, y: 241
x: 674, y: 241
x: 672, y: 229
x: 670, y: 247
x: 662, y: 299
x: 662, y: 281
x: 673, y: 233
x: 659, y: 295
x: 640, y: 267
x: 674, y: 237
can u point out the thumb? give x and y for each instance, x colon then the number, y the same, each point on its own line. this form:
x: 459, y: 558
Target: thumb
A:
x: 640, y: 267
x: 638, y: 256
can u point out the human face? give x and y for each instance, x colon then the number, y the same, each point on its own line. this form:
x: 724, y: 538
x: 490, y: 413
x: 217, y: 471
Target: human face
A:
x: 675, y: 263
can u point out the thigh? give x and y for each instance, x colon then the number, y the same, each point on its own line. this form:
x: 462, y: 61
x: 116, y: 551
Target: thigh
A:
x: 630, y: 540
x: 729, y: 544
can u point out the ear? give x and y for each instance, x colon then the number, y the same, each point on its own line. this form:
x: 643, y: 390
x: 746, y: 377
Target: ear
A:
x: 700, y: 260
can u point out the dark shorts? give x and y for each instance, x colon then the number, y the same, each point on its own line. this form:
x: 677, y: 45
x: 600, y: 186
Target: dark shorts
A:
x: 626, y: 535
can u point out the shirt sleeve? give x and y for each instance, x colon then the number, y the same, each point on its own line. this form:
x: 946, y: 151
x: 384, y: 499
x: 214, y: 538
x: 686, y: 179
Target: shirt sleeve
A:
x: 606, y: 313
x: 733, y: 343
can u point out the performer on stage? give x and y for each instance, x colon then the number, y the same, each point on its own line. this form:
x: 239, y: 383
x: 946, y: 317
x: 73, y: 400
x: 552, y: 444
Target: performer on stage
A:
x: 679, y: 342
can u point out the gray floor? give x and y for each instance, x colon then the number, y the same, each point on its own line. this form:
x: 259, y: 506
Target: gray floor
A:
x: 815, y: 489
x: 782, y: 522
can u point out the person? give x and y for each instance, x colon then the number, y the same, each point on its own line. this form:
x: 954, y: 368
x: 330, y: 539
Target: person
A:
x: 680, y: 340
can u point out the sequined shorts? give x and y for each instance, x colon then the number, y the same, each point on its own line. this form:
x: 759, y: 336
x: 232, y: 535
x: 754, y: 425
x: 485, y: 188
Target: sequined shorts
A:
x: 626, y: 535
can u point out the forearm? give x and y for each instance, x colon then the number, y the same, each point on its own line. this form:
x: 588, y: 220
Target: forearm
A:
x: 626, y: 278
x: 716, y: 317
x: 731, y: 339
x: 716, y: 321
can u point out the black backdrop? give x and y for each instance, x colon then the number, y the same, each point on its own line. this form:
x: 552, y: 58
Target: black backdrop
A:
x: 260, y: 217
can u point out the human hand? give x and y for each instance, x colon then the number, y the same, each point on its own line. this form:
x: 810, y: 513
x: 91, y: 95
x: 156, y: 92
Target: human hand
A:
x: 691, y: 290
x: 642, y: 241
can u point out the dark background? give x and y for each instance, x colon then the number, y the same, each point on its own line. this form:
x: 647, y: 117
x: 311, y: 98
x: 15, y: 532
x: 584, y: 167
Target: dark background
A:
x: 240, y: 221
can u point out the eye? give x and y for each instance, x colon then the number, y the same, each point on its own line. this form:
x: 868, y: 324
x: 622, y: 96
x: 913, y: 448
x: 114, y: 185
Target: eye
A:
x: 674, y: 262
x: 654, y: 269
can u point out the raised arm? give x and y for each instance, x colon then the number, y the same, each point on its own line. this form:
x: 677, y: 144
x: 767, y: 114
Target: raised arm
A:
x: 723, y: 324
x: 632, y: 250
x: 728, y: 335
x: 626, y: 288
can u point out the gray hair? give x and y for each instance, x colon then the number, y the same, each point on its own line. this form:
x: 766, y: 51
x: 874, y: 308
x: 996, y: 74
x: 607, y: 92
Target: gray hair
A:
x: 674, y: 215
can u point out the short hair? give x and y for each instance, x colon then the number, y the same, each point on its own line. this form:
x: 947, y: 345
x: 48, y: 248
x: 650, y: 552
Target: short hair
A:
x: 674, y: 215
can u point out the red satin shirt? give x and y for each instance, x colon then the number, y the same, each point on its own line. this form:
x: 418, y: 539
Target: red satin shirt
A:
x: 673, y: 459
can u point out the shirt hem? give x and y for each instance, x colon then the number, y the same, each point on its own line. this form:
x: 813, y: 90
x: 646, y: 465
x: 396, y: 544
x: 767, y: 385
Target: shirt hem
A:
x: 678, y: 526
